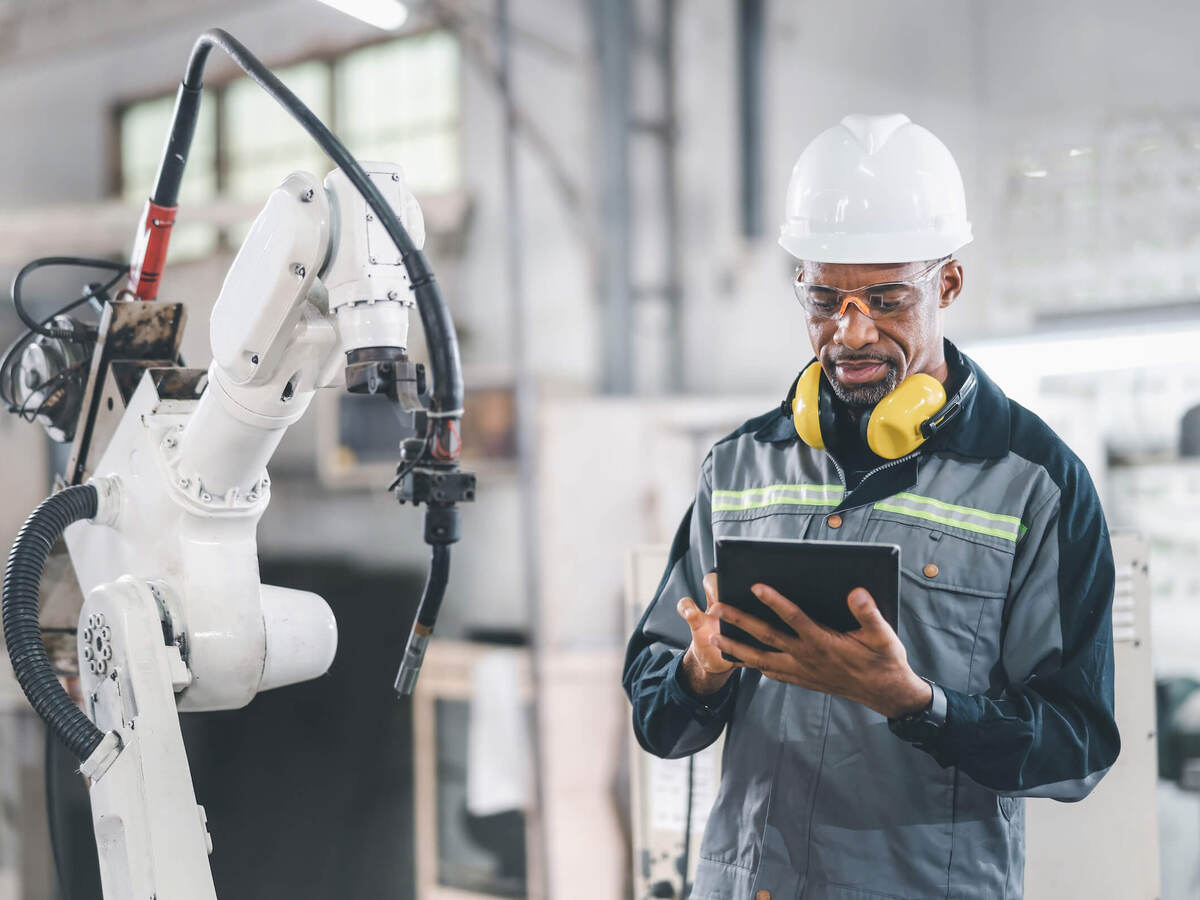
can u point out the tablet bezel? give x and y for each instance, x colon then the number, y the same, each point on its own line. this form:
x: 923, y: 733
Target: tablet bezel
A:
x: 875, y: 566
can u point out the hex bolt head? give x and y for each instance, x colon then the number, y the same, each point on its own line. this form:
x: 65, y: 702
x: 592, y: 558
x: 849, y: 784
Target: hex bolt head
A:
x: 370, y: 218
x: 184, y: 483
x: 93, y: 620
x: 395, y: 176
x: 371, y: 259
x: 299, y: 270
x: 106, y: 651
x: 307, y: 196
x: 92, y: 667
x: 254, y: 359
x: 106, y: 633
x: 392, y: 295
x: 87, y: 653
x: 87, y: 635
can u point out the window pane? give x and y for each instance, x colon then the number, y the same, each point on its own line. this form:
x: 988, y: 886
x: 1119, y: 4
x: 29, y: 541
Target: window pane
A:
x: 399, y: 102
x: 263, y: 144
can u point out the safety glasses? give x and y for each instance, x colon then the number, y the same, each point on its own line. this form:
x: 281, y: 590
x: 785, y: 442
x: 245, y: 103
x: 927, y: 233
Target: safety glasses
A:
x: 878, y: 301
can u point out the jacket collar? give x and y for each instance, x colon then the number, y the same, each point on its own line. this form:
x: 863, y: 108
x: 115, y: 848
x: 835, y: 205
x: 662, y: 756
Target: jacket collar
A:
x: 979, y: 429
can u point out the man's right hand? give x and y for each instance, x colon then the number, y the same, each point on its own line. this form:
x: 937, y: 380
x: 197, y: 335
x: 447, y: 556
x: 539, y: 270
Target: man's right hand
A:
x: 705, y: 669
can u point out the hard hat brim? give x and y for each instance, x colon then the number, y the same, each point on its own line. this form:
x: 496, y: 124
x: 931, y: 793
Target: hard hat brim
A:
x: 874, y: 248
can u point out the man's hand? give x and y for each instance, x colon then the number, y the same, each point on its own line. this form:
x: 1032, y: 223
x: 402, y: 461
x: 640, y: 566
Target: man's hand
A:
x: 868, y: 666
x: 704, y: 668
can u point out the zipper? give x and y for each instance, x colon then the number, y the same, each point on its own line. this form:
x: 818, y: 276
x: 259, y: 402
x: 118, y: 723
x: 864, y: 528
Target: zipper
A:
x: 888, y: 465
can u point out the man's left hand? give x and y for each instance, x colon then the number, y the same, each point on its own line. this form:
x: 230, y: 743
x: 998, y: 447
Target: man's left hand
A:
x: 868, y: 666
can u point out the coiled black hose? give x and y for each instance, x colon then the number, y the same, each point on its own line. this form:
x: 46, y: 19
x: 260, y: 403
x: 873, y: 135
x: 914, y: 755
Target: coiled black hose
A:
x: 22, y: 631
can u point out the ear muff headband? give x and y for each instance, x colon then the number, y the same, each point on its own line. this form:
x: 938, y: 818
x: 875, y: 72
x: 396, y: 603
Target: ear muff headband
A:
x: 893, y: 428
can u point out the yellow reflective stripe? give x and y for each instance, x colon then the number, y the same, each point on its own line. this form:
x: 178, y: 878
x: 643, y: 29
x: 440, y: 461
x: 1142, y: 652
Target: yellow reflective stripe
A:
x: 994, y: 517
x: 778, y: 495
x: 818, y: 488
x: 946, y: 520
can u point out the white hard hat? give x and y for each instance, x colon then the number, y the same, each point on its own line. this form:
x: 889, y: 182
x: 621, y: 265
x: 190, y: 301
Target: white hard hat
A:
x: 875, y: 189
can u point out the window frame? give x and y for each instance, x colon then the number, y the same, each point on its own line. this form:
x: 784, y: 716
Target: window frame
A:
x: 216, y: 85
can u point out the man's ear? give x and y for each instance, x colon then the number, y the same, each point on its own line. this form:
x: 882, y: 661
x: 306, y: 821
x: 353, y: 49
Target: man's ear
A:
x: 952, y: 283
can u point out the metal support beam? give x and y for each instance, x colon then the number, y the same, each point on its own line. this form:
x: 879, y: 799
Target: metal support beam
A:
x: 613, y: 23
x: 670, y: 176
x: 750, y: 28
x: 525, y: 392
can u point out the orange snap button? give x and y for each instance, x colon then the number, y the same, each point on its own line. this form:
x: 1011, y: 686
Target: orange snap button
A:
x: 763, y: 895
x: 834, y: 521
x: 931, y: 570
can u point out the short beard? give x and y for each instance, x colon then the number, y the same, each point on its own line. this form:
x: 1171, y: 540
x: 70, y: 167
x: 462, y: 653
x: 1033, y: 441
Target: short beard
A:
x: 865, y: 396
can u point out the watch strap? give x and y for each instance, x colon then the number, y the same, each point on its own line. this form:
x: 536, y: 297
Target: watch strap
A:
x: 924, y: 725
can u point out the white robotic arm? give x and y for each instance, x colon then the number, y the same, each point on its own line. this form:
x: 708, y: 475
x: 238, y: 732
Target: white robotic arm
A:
x: 172, y: 549
x: 307, y: 294
x: 163, y: 540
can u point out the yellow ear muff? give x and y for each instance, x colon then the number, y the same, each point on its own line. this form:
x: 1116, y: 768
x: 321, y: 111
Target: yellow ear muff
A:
x: 894, y: 429
x: 806, y: 407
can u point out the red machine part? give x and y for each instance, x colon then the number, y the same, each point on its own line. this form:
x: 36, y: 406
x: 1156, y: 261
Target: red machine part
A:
x: 150, y: 249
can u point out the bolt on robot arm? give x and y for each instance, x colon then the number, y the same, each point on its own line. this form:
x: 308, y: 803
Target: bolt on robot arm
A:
x: 163, y: 538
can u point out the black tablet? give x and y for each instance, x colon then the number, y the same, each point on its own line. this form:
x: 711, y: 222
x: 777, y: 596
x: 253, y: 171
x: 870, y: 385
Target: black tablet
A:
x: 815, y: 575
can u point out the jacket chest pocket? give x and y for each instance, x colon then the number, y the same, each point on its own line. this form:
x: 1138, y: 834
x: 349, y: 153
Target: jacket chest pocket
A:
x: 778, y: 525
x: 952, y: 592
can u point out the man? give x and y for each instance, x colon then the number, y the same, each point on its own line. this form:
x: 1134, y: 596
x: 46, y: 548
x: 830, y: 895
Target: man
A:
x: 876, y: 764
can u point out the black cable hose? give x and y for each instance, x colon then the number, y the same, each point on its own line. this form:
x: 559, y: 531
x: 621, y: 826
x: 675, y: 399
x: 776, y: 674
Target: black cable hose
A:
x: 11, y: 355
x: 19, y: 608
x: 435, y: 586
x: 685, y: 889
x: 81, y: 261
x: 440, y: 337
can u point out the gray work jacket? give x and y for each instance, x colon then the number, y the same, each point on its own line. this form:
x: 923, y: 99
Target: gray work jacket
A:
x: 1006, y: 597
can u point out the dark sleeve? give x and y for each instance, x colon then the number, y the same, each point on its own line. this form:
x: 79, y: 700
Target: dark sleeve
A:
x: 668, y: 719
x: 1051, y: 731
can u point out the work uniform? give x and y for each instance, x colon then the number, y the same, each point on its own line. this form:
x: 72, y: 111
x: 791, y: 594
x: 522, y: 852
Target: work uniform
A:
x: 1005, y: 604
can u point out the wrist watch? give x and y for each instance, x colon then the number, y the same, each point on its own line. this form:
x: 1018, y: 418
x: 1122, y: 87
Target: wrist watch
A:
x: 924, y: 725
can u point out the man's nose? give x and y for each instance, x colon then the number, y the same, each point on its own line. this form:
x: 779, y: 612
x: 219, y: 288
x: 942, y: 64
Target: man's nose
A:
x: 855, y: 328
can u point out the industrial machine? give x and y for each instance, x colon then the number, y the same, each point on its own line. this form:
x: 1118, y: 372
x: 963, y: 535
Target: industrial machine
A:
x: 167, y: 475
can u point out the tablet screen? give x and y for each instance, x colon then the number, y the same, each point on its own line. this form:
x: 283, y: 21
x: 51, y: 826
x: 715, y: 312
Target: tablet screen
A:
x: 815, y: 575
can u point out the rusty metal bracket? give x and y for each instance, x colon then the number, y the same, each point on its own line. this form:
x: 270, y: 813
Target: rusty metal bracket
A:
x: 146, y: 335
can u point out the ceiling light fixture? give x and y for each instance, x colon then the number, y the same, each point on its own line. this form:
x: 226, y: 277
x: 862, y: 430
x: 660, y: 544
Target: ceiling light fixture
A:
x: 386, y: 14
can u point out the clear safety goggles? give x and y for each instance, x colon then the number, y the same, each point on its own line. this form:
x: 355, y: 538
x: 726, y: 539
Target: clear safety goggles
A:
x: 878, y: 301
